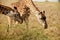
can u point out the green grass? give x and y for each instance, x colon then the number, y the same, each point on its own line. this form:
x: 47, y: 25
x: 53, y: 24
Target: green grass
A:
x: 35, y: 31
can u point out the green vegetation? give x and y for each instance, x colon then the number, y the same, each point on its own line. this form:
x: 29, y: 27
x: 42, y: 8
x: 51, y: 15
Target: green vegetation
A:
x: 35, y: 31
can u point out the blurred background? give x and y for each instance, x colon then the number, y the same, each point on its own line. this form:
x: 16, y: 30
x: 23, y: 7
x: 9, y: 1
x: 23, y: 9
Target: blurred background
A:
x: 47, y: 0
x: 36, y: 31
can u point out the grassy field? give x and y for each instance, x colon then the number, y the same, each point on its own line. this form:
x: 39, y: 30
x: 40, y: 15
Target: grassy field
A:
x: 35, y: 31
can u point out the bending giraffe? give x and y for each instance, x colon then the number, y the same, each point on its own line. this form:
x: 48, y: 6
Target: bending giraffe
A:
x: 40, y: 15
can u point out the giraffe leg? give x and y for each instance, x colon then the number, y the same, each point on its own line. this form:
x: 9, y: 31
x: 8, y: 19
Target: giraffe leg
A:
x: 26, y: 22
x: 9, y: 24
x: 15, y: 23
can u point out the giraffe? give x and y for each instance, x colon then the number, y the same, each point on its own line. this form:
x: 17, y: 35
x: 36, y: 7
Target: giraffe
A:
x: 12, y: 14
x: 39, y: 15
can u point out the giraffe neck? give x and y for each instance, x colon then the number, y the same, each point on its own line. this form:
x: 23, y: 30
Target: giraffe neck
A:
x: 5, y: 9
x: 32, y: 6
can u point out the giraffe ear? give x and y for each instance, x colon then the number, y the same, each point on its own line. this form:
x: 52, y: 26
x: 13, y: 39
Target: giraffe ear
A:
x: 15, y: 8
x: 43, y: 12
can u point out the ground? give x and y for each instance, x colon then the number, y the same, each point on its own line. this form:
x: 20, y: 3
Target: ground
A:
x: 35, y: 31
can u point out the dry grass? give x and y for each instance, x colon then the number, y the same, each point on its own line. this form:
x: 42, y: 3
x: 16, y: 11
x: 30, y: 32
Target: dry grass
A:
x: 36, y: 31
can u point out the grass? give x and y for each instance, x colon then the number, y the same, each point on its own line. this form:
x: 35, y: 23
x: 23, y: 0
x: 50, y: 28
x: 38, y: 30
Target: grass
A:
x: 35, y: 31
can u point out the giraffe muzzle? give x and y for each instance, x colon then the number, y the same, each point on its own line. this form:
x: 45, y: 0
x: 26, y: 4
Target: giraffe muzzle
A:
x: 45, y: 25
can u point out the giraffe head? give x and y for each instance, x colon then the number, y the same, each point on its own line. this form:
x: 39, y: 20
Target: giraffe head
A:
x: 42, y: 19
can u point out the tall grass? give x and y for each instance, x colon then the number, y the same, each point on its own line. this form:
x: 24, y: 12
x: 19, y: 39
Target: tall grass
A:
x: 35, y: 31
